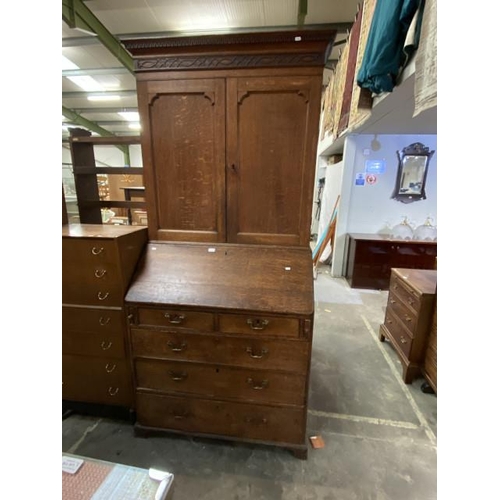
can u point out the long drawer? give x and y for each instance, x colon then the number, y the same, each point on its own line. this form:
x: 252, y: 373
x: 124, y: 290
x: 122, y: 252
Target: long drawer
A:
x: 257, y: 324
x: 250, y: 421
x: 88, y: 252
x: 96, y: 380
x: 96, y: 294
x: 220, y: 381
x: 86, y: 319
x: 250, y: 352
x: 174, y: 319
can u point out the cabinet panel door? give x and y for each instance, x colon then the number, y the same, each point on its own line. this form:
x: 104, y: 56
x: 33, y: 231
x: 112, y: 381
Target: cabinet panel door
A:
x: 272, y: 131
x: 184, y: 158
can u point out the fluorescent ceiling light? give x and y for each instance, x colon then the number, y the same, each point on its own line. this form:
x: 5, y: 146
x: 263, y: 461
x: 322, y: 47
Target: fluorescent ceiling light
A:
x: 134, y: 126
x: 131, y: 116
x: 104, y: 98
x: 86, y: 83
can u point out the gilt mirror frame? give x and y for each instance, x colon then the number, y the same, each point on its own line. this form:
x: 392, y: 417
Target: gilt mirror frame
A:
x: 412, y: 173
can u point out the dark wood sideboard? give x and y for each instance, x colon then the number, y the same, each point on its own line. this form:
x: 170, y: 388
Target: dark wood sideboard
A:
x: 369, y: 258
x: 220, y: 338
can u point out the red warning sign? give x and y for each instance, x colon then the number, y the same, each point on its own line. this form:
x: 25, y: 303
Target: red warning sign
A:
x: 371, y: 179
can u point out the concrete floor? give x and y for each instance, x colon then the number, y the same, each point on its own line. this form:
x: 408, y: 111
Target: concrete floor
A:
x: 379, y: 434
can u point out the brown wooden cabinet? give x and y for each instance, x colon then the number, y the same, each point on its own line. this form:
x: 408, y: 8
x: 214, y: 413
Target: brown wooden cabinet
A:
x: 369, y: 258
x: 407, y: 324
x: 97, y: 264
x: 220, y: 340
x: 230, y: 129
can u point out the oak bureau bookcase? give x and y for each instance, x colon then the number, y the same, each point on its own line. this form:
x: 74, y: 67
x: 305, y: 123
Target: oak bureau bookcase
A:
x: 221, y: 307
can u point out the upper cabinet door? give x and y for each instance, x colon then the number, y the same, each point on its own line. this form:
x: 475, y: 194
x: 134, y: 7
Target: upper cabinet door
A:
x: 272, y: 133
x: 183, y: 150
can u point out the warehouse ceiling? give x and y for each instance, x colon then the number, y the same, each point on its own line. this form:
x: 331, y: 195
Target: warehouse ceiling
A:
x: 98, y: 87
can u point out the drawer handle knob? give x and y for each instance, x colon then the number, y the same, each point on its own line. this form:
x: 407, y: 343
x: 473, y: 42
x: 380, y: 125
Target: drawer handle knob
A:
x: 104, y: 321
x: 109, y: 368
x: 257, y: 386
x: 255, y: 421
x: 175, y: 347
x: 389, y: 321
x: 178, y: 377
x: 411, y: 302
x: 105, y: 347
x: 113, y: 392
x: 254, y: 355
x: 97, y: 251
x: 257, y: 323
x: 102, y: 296
x: 403, y: 340
x: 99, y: 273
x: 392, y: 301
x: 407, y: 318
x: 175, y: 319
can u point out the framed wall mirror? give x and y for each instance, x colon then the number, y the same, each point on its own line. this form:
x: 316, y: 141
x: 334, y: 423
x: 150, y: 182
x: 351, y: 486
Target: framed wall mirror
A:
x: 412, y: 173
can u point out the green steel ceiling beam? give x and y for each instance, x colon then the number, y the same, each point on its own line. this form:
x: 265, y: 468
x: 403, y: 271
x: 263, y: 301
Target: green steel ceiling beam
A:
x: 77, y: 15
x: 94, y: 127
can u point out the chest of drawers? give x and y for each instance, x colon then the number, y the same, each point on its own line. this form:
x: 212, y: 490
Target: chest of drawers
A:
x: 97, y: 265
x: 220, y: 339
x: 407, y: 323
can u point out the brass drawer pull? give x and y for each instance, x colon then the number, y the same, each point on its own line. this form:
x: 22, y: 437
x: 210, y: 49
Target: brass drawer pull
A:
x: 403, y: 340
x: 105, y: 347
x: 411, y: 302
x: 175, y: 347
x: 99, y: 273
x: 178, y: 377
x: 407, y: 318
x: 113, y: 392
x: 392, y: 301
x: 389, y: 321
x: 104, y: 321
x: 102, y: 296
x: 257, y: 324
x: 109, y: 368
x: 97, y: 251
x: 254, y: 355
x: 175, y: 319
x: 180, y: 416
x: 256, y: 420
x: 257, y: 386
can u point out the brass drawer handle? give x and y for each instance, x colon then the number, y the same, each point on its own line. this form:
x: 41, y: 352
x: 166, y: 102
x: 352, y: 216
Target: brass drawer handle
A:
x: 113, y: 392
x: 102, y: 296
x: 99, y: 273
x: 407, y: 318
x: 180, y: 416
x: 97, y: 251
x: 178, y: 377
x: 403, y: 340
x: 257, y: 323
x: 256, y: 420
x: 392, y: 301
x: 175, y: 319
x: 411, y: 302
x: 175, y: 347
x: 389, y: 321
x: 254, y: 355
x: 105, y: 347
x: 109, y: 368
x: 256, y: 385
x: 104, y: 321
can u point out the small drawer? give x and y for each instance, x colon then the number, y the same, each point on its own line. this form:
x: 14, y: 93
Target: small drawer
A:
x: 105, y: 345
x: 88, y: 251
x: 220, y: 381
x: 174, y: 319
x: 98, y: 294
x: 257, y: 324
x: 407, y: 295
x: 405, y: 314
x: 84, y: 319
x: 96, y: 380
x: 248, y: 421
x: 246, y: 352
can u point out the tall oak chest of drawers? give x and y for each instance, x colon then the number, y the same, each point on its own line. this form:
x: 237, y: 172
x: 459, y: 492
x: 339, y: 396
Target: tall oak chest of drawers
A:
x: 98, y: 262
x: 407, y: 324
x: 220, y: 340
